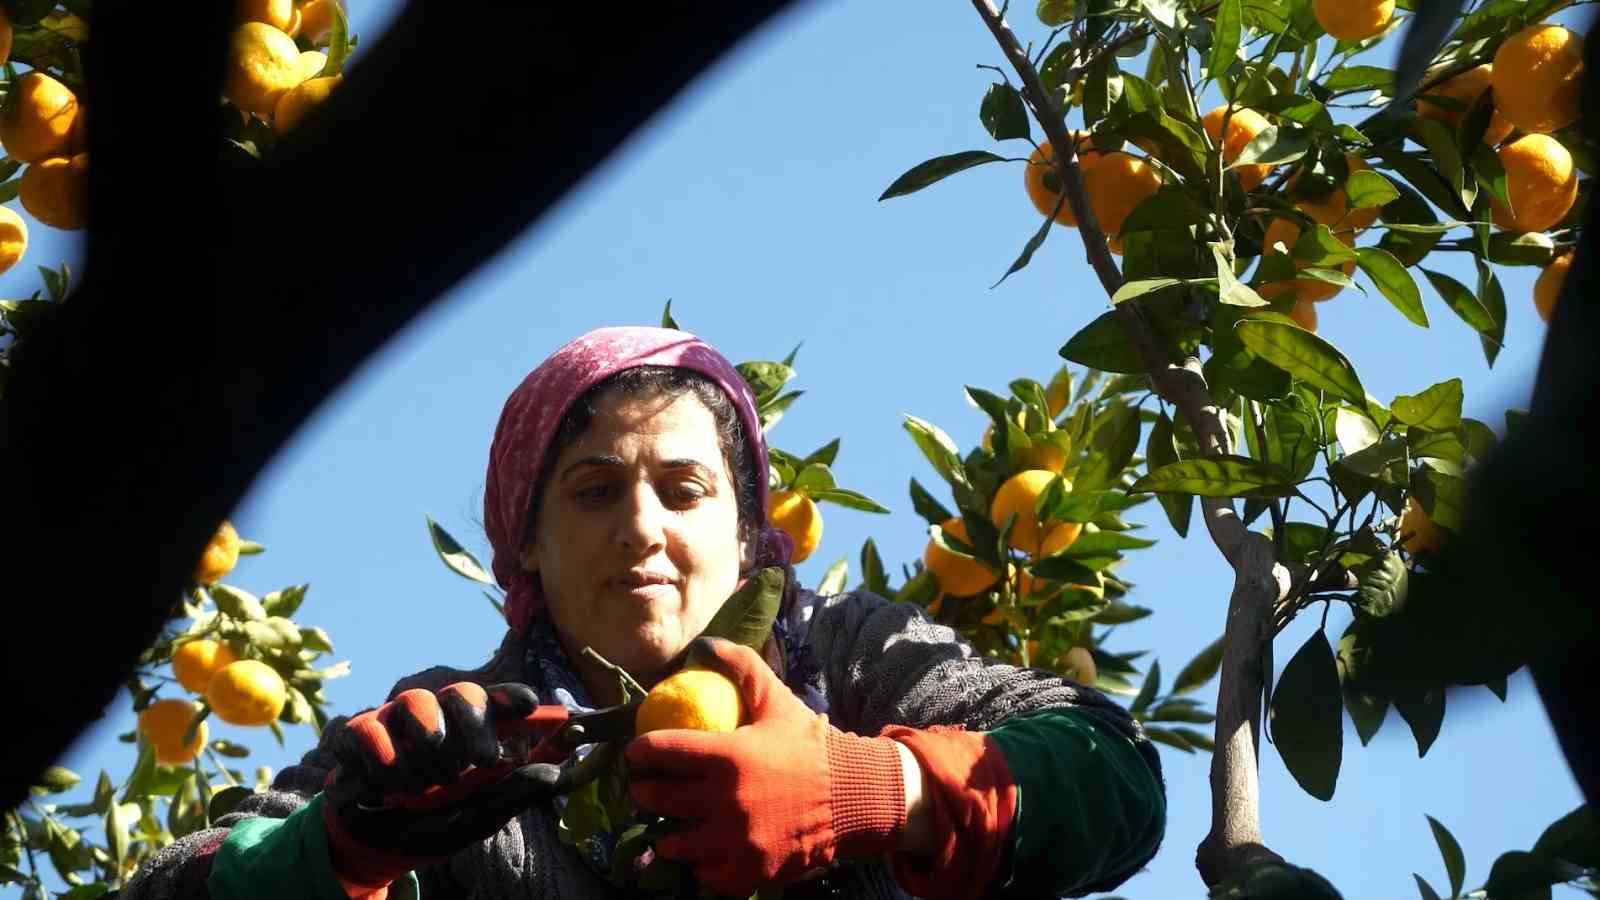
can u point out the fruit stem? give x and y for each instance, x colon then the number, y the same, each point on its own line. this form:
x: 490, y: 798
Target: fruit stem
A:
x: 630, y: 687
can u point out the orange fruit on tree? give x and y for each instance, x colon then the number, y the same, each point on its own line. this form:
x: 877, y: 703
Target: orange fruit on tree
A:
x: 1465, y: 89
x: 1080, y: 667
x: 958, y: 575
x: 1547, y: 289
x: 1353, y: 20
x: 316, y: 21
x: 1016, y: 497
x: 1042, y: 162
x: 163, y: 724
x: 1115, y: 185
x: 697, y: 698
x: 1333, y: 208
x: 1060, y: 537
x: 1538, y: 78
x: 300, y: 100
x: 220, y: 555
x: 312, y: 62
x: 1304, y: 314
x: 1418, y: 532
x: 1243, y: 126
x: 55, y: 191
x: 262, y: 63
x: 247, y: 692
x: 1541, y: 181
x: 13, y: 237
x: 280, y: 14
x: 796, y: 515
x: 194, y: 662
x: 40, y: 116
x: 1287, y: 232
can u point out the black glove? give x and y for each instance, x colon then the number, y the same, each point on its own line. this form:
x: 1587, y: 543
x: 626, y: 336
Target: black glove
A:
x: 420, y: 777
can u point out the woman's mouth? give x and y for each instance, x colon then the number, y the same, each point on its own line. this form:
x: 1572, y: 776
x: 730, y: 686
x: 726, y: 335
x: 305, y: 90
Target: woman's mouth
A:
x: 643, y: 586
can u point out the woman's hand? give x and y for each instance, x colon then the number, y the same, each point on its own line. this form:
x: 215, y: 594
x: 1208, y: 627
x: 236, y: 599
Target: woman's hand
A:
x: 420, y: 778
x: 785, y: 794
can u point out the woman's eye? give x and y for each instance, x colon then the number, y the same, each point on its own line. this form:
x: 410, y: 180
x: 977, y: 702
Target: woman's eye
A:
x: 685, y: 495
x: 594, y: 492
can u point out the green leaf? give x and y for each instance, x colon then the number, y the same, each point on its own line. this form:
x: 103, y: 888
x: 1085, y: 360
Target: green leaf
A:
x: 1455, y: 863
x: 1534, y: 248
x: 1423, y: 710
x: 1307, y: 717
x: 920, y: 590
x: 119, y: 818
x: 927, y: 506
x: 1575, y: 837
x: 1437, y: 408
x: 825, y: 454
x: 57, y: 779
x: 1103, y: 344
x: 1169, y: 207
x: 940, y: 451
x: 453, y: 555
x: 238, y: 604
x: 1441, y: 494
x: 1367, y: 189
x: 1275, y: 145
x: 1304, y: 355
x: 1349, y: 79
x: 1426, y: 889
x: 873, y: 577
x: 833, y: 581
x: 848, y: 499
x: 1229, y: 289
x: 1119, y: 614
x: 1168, y: 737
x: 1441, y: 144
x: 1003, y: 113
x: 1148, y: 691
x: 285, y: 602
x: 1099, y: 549
x: 339, y: 42
x: 1461, y: 301
x: 813, y: 477
x: 1200, y: 670
x: 746, y: 617
x: 936, y: 169
x: 667, y: 321
x: 1494, y: 303
x: 1518, y: 874
x: 1367, y: 710
x: 1382, y: 588
x: 1132, y: 289
x: 1162, y: 450
x: 226, y: 801
x: 1393, y: 282
x: 1056, y: 12
x: 1226, y: 30
x: 765, y: 378
x: 1219, y: 476
x: 1028, y: 249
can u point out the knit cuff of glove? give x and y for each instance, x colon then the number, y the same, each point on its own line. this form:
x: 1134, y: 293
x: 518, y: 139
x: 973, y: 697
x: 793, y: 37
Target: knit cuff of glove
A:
x: 969, y: 786
x: 362, y: 871
x: 866, y: 793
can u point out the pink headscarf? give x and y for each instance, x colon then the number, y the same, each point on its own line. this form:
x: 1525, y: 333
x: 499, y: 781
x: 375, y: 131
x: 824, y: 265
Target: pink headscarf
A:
x: 535, y: 409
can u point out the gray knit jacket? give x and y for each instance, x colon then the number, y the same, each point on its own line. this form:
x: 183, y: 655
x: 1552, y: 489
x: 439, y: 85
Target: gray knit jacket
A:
x: 882, y: 663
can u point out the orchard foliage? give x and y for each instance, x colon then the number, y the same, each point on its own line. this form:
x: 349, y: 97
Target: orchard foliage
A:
x: 1294, y: 167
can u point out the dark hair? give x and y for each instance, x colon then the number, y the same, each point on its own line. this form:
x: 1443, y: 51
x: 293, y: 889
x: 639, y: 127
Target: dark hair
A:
x: 666, y: 382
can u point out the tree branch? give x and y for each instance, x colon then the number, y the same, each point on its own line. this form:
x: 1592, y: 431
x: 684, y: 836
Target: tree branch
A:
x: 1259, y: 581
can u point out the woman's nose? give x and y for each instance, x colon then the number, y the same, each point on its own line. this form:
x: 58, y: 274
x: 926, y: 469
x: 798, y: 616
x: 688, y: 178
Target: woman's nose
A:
x: 642, y: 530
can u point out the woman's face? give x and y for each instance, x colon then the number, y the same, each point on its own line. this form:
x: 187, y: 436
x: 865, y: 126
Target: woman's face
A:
x: 637, y: 538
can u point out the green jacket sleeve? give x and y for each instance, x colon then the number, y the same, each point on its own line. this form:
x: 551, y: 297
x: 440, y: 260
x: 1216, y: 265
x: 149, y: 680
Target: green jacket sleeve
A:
x: 1089, y: 808
x: 266, y: 858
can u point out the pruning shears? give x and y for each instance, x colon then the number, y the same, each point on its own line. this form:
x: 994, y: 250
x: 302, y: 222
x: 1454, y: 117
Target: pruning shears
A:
x: 550, y: 735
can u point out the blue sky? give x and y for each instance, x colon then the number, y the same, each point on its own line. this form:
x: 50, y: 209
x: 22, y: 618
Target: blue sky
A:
x: 752, y: 204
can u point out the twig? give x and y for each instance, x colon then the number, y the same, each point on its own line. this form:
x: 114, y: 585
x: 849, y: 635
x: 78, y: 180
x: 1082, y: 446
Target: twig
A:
x: 590, y: 654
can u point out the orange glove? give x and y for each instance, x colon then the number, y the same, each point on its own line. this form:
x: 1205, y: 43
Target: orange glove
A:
x: 773, y: 799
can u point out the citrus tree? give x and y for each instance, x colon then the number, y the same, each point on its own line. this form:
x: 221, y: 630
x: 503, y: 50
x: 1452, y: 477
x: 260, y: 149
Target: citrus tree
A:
x: 226, y: 656
x: 1246, y: 160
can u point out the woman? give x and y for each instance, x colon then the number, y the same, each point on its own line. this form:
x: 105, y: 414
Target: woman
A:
x: 625, y: 499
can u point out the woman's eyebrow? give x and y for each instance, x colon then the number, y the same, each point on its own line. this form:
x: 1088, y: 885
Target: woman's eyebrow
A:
x: 612, y: 461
